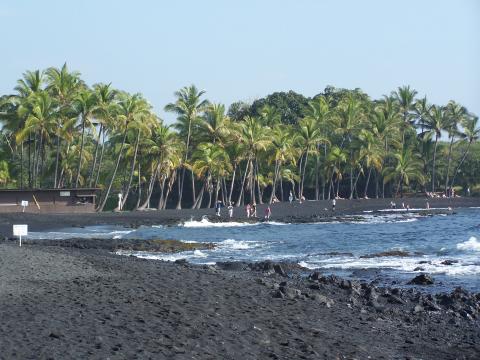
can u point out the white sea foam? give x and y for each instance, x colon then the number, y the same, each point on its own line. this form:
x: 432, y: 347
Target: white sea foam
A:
x: 465, y: 266
x: 196, y: 254
x: 205, y: 223
x: 87, y: 234
x: 470, y: 244
x: 237, y: 244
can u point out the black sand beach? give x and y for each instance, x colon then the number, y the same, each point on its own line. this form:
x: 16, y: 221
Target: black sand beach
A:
x: 59, y: 302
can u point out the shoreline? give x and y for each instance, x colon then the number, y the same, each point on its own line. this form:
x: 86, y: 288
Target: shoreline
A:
x: 308, y: 211
x: 80, y: 303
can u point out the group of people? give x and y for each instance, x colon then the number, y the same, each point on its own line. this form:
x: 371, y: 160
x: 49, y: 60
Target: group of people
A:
x: 251, y: 210
x: 450, y: 193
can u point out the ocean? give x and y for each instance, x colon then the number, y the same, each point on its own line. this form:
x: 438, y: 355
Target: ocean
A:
x: 444, y: 246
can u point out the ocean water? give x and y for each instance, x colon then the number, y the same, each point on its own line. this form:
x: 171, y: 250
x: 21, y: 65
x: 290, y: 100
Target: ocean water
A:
x: 332, y: 247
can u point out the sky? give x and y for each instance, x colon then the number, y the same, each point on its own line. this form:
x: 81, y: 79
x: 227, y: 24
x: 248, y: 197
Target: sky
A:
x: 247, y: 49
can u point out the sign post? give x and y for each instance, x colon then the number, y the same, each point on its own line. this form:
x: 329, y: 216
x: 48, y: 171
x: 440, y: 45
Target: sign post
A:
x: 20, y: 230
x: 24, y: 204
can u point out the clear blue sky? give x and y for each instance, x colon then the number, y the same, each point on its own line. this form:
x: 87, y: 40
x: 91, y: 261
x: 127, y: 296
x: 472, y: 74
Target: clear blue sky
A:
x: 246, y: 49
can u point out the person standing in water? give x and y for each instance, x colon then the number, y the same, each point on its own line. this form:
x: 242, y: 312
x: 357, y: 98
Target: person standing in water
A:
x: 248, y: 210
x: 218, y: 207
x: 268, y: 213
x: 253, y: 210
x: 230, y: 211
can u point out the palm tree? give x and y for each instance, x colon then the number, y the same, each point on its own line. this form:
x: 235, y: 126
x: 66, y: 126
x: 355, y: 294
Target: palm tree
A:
x: 371, y: 153
x: 309, y: 136
x: 434, y: 123
x: 336, y: 157
x: 255, y: 138
x: 283, y: 151
x: 85, y: 104
x: 64, y: 86
x: 131, y: 108
x: 41, y: 121
x: 103, y: 115
x: 319, y: 110
x: 351, y: 114
x: 470, y: 134
x: 407, y: 168
x: 456, y: 113
x: 406, y: 101
x: 188, y: 108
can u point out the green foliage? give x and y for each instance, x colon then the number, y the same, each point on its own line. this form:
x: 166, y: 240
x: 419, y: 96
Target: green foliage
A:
x: 59, y: 132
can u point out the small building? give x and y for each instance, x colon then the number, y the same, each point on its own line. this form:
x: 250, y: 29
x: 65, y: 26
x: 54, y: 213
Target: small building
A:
x: 48, y: 200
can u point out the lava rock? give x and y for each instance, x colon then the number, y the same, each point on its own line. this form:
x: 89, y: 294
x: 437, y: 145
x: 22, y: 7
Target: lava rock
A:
x: 449, y: 262
x: 422, y: 279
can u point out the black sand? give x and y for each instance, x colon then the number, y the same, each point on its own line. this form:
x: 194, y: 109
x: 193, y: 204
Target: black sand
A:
x: 59, y: 302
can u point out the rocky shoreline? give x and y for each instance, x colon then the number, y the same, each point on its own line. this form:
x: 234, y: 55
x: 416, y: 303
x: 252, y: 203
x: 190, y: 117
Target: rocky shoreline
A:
x: 59, y: 302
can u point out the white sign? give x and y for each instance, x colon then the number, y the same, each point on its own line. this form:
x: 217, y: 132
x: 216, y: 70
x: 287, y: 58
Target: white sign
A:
x: 20, y: 230
x: 24, y: 203
x: 64, y: 193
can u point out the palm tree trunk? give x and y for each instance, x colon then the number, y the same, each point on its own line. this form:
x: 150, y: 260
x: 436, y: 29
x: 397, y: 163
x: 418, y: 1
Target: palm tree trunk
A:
x: 448, y: 163
x: 231, y: 184
x: 433, y: 165
x: 169, y: 189
x: 300, y: 194
x: 368, y: 181
x: 260, y: 200
x: 243, y: 185
x: 151, y: 185
x: 139, y: 198
x: 109, y: 188
x: 274, y: 182
x: 81, y: 152
x: 161, y: 183
x: 92, y: 170
x: 132, y: 170
x: 100, y: 162
x: 57, y: 159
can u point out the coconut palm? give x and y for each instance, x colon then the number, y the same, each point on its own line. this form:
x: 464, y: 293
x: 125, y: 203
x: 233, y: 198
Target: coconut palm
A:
x: 456, y: 113
x: 434, y: 123
x: 131, y: 109
x: 408, y: 167
x: 64, y: 85
x: 188, y: 107
x: 85, y: 105
x: 470, y: 134
x: 104, y: 113
x: 406, y: 102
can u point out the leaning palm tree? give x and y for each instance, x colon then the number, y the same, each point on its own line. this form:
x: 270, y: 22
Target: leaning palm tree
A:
x: 188, y: 108
x: 434, y: 123
x: 131, y: 108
